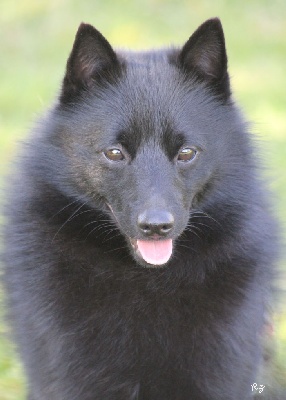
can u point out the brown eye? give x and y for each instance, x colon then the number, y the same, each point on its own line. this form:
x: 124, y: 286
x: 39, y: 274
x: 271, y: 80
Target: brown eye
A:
x: 114, y: 155
x: 187, y: 154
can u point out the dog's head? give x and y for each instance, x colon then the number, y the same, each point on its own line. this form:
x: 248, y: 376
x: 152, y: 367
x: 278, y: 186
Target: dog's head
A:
x: 148, y: 136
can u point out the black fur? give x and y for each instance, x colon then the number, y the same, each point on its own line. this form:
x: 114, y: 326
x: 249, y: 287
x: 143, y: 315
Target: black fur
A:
x: 93, y: 320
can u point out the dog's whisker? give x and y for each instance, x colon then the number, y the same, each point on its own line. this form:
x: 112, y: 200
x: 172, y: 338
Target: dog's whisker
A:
x: 68, y: 220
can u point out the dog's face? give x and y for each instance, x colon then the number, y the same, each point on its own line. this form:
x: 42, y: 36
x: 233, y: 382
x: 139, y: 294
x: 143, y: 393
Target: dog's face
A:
x: 144, y: 136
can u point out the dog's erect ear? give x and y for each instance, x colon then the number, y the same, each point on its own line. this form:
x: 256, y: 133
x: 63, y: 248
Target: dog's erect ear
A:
x: 92, y: 58
x: 204, y: 54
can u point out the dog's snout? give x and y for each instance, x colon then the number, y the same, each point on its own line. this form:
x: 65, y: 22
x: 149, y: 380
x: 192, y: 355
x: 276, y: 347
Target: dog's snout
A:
x: 155, y: 222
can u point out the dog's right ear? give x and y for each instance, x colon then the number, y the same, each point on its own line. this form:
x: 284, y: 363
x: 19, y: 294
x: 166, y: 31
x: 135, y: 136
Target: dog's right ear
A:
x: 92, y: 58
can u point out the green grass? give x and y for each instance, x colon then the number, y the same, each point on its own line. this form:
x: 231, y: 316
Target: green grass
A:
x: 36, y: 38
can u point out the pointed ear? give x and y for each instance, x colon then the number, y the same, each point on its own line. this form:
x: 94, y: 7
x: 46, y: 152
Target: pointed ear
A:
x: 91, y: 58
x: 205, y: 55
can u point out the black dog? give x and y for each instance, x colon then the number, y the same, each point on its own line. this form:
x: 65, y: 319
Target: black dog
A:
x: 139, y: 245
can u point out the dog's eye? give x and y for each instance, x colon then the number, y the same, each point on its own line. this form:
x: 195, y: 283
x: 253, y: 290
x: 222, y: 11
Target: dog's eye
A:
x: 187, y: 154
x: 114, y: 155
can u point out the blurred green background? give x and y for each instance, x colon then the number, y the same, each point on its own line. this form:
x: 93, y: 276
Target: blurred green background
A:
x: 36, y: 38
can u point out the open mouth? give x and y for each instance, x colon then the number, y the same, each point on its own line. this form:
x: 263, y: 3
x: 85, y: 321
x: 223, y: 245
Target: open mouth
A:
x: 153, y: 252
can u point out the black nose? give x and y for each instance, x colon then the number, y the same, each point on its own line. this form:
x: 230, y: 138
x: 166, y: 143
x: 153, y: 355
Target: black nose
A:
x: 155, y: 222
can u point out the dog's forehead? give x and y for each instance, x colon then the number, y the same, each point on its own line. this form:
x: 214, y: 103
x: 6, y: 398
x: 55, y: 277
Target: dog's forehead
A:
x: 149, y: 93
x: 151, y: 103
x: 153, y: 84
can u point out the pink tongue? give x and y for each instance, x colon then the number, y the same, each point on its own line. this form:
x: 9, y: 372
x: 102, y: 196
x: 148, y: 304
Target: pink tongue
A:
x: 156, y: 252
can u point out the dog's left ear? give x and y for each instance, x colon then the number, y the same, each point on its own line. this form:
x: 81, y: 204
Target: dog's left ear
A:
x: 92, y: 59
x: 204, y: 55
